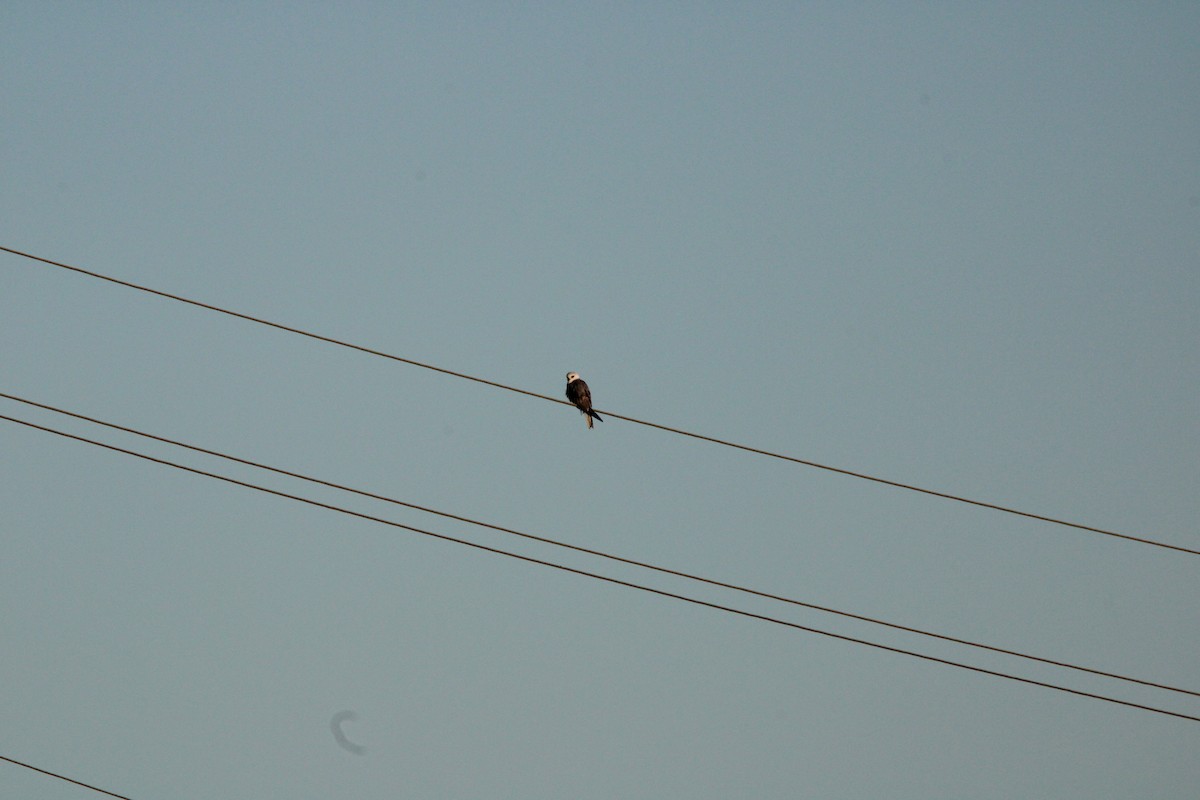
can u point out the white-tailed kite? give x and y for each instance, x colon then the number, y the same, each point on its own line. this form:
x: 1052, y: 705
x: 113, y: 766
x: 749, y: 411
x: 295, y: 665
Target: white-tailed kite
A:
x: 579, y: 394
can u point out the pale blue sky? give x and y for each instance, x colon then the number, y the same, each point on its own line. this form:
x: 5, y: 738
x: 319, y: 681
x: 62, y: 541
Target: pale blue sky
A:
x: 955, y: 245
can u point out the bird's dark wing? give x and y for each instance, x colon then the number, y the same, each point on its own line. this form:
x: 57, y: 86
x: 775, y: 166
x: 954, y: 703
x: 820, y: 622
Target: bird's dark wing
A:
x: 577, y: 393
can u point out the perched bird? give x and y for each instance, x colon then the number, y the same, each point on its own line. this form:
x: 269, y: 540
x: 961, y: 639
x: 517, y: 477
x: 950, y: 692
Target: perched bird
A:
x: 579, y: 394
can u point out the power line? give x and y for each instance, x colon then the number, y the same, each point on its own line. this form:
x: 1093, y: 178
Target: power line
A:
x: 589, y: 551
x: 667, y: 428
x: 605, y: 578
x: 64, y: 778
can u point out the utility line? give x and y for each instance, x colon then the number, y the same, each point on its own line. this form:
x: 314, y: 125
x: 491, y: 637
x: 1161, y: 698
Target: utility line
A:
x: 63, y: 778
x: 605, y: 578
x: 667, y: 428
x: 589, y: 551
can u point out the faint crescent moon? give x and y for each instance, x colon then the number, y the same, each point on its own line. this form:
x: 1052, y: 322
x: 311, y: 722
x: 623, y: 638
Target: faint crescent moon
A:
x: 335, y: 725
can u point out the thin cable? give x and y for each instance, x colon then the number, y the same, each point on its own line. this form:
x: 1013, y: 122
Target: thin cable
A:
x: 64, y: 778
x: 605, y: 578
x: 598, y: 553
x: 634, y: 420
x: 278, y: 326
x: 667, y: 428
x: 701, y: 437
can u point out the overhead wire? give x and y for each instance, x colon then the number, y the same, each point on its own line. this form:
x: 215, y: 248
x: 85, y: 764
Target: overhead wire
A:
x: 593, y: 552
x: 63, y: 778
x: 605, y: 578
x: 613, y: 414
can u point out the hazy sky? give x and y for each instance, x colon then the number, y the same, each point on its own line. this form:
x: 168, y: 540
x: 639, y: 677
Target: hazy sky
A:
x: 951, y: 245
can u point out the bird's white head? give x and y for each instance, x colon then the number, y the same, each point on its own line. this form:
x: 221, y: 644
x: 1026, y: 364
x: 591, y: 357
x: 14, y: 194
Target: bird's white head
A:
x: 572, y: 376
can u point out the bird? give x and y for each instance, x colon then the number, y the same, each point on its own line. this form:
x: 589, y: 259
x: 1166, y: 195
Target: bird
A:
x: 579, y: 394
